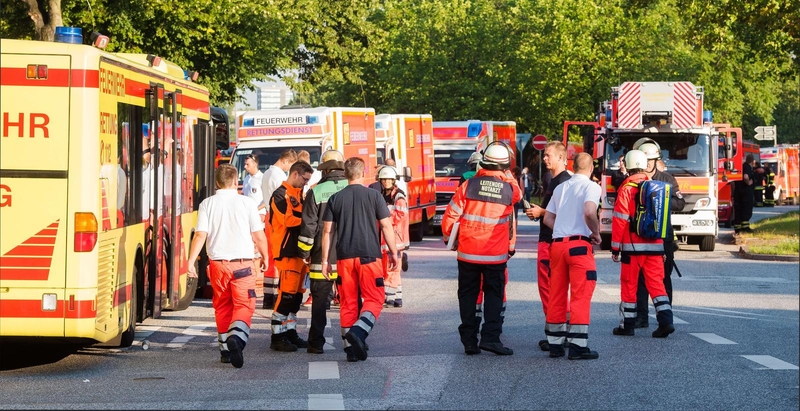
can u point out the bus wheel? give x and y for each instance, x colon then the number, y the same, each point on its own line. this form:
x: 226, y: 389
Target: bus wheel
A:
x: 129, y: 334
x: 707, y: 243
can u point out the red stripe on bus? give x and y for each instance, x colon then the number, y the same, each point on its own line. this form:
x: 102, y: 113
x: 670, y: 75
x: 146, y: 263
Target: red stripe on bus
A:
x: 135, y: 88
x: 48, y: 232
x: 36, y: 274
x: 24, y: 262
x: 195, y: 104
x: 49, y: 240
x: 31, y: 251
x: 33, y: 309
x: 17, y: 76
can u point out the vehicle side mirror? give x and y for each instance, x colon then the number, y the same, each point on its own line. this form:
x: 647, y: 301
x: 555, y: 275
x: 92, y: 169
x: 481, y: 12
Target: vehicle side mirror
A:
x: 407, y: 174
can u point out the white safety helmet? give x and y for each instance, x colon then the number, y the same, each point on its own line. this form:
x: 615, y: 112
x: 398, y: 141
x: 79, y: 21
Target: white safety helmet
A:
x: 651, y: 150
x: 387, y: 172
x: 635, y: 159
x: 496, y: 155
x: 641, y: 141
x: 474, y: 158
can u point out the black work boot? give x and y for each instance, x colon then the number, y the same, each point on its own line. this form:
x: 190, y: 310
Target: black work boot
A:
x: 642, y: 322
x: 544, y: 345
x: 225, y: 357
x: 235, y: 347
x: 623, y: 331
x: 496, y: 348
x: 351, y: 355
x: 281, y: 343
x: 295, y: 339
x: 663, y: 331
x: 581, y: 353
x: 356, y: 336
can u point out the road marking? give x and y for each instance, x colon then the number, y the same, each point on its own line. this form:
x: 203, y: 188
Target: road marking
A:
x: 610, y: 291
x: 188, y: 334
x: 599, y: 281
x: 323, y: 370
x: 713, y: 338
x: 770, y: 362
x: 715, y: 314
x: 675, y: 320
x: 325, y: 402
x: 729, y: 311
x: 144, y: 331
x: 329, y: 343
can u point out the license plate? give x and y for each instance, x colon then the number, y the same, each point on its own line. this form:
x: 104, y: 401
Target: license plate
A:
x: 437, y: 219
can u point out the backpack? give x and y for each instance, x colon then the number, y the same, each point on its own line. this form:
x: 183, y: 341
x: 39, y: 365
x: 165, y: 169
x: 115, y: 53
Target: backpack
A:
x: 652, y: 218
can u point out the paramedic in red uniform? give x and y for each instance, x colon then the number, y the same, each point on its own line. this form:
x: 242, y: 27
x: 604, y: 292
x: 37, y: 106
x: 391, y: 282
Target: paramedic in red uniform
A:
x: 357, y: 211
x: 554, y: 159
x: 572, y: 213
x: 483, y: 206
x: 398, y: 208
x: 231, y: 224
x: 637, y: 254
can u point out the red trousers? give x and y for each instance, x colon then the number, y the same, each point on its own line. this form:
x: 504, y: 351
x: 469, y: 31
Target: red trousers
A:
x: 234, y: 298
x: 573, y: 276
x: 359, y: 274
x: 543, y: 273
x: 653, y: 268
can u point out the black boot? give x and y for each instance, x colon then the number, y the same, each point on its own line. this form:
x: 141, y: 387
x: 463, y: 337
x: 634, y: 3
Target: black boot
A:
x: 356, y: 336
x: 295, y: 339
x: 581, y: 353
x: 663, y: 331
x: 281, y: 343
x: 351, y: 355
x: 623, y: 331
x: 642, y: 322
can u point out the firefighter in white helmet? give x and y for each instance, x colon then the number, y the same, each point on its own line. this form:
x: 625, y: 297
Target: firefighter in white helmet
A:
x: 398, y: 208
x: 637, y: 254
x: 484, y: 206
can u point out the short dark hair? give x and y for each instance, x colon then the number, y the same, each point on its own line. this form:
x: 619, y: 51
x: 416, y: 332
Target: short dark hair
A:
x: 252, y: 157
x: 354, y: 168
x: 301, y: 167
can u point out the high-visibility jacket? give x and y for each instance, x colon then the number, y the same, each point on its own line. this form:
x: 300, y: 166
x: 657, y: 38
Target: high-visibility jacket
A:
x: 623, y: 238
x: 285, y: 218
x: 483, y: 206
x: 310, y: 239
x: 398, y: 209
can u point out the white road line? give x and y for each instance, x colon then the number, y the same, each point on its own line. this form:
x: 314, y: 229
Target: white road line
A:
x: 325, y: 402
x: 188, y: 334
x: 715, y: 314
x: 675, y: 320
x: 713, y: 338
x: 323, y: 370
x: 144, y: 331
x: 729, y: 311
x: 599, y: 281
x: 329, y: 343
x: 610, y: 291
x: 770, y: 362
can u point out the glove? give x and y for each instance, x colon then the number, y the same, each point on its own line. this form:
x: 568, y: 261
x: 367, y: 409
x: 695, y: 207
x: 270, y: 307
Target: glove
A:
x: 511, y: 253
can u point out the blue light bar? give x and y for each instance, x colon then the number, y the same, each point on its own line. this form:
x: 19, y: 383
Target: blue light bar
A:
x: 708, y: 116
x: 248, y: 122
x: 474, y: 129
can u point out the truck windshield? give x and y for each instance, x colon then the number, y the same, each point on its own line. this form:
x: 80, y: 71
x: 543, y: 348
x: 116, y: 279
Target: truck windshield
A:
x: 267, y: 156
x: 451, y: 162
x: 683, y: 154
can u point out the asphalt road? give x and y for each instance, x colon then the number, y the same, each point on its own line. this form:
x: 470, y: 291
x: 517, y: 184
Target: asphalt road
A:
x: 736, y: 347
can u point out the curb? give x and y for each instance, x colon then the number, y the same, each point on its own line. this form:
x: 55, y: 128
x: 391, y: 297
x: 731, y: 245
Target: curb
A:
x: 744, y: 252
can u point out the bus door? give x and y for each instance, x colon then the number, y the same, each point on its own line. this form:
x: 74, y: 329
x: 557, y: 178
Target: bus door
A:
x: 156, y: 251
x: 176, y: 145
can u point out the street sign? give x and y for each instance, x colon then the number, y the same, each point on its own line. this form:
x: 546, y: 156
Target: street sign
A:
x: 539, y: 142
x: 766, y: 133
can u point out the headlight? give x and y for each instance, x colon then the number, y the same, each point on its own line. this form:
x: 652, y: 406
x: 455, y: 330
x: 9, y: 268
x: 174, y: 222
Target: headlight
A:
x: 702, y: 203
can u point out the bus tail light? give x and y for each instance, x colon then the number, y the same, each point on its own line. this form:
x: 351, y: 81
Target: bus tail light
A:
x: 85, y: 232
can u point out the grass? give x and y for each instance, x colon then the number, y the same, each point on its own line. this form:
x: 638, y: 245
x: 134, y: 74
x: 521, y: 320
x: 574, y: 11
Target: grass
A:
x: 776, y: 235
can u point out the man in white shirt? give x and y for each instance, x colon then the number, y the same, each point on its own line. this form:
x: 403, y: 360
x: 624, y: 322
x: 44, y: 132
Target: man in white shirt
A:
x: 275, y: 175
x: 252, y: 183
x: 230, y: 224
x: 572, y: 214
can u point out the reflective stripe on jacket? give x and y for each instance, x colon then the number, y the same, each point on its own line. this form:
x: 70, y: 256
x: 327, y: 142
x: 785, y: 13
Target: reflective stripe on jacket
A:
x: 622, y: 237
x: 483, y: 205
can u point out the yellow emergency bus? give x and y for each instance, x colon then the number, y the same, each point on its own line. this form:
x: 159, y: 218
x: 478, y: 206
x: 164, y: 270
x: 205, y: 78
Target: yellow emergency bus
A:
x: 104, y: 159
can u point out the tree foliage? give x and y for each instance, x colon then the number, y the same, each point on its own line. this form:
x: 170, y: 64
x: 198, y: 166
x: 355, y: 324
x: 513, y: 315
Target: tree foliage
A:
x: 537, y: 62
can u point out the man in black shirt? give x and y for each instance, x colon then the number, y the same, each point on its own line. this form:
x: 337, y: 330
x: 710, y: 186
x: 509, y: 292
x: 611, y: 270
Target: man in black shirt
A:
x: 355, y: 210
x: 676, y: 203
x: 554, y: 159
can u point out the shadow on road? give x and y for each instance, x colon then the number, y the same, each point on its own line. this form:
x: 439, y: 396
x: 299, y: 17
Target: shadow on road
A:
x: 22, y: 355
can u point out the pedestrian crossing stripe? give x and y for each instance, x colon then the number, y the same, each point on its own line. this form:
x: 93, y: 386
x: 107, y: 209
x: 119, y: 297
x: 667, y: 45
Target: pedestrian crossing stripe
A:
x: 770, y: 362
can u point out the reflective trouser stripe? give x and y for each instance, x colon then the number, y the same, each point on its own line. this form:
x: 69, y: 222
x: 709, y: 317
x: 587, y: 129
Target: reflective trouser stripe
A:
x: 555, y: 333
x: 578, y: 334
x: 661, y: 303
x: 366, y: 322
x: 279, y: 323
x: 237, y: 328
x: 627, y: 310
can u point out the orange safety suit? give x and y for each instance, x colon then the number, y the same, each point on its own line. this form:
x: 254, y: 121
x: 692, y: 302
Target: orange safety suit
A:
x: 638, y: 254
x: 398, y: 208
x: 286, y: 216
x: 234, y: 300
x: 483, y: 206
